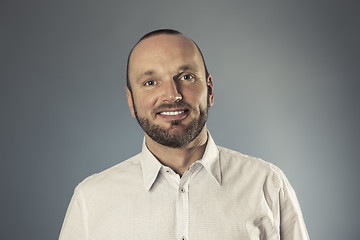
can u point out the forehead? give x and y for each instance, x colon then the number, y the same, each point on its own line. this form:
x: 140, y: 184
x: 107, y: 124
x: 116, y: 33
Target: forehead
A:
x: 164, y: 51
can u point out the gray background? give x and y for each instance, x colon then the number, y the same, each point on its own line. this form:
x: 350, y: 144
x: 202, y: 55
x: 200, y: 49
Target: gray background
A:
x: 286, y: 76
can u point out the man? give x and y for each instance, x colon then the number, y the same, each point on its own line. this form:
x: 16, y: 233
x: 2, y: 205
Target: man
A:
x: 181, y: 186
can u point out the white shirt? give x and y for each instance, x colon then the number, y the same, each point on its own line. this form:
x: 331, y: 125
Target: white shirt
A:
x: 225, y: 195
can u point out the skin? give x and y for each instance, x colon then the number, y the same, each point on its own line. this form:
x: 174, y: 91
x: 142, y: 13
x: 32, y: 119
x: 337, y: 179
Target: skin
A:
x: 164, y: 69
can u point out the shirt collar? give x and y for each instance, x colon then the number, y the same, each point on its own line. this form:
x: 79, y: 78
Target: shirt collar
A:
x: 151, y: 166
x: 211, y: 160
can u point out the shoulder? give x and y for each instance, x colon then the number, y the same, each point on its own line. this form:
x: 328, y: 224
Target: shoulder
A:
x: 242, y: 165
x: 128, y: 171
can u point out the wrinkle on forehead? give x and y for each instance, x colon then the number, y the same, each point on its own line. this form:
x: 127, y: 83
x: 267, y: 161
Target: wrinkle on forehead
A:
x: 163, y: 47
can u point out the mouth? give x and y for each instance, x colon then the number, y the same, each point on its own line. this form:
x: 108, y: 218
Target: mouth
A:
x: 172, y: 115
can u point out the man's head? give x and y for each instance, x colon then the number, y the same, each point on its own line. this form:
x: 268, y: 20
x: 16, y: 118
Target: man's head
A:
x: 169, y: 89
x: 154, y: 33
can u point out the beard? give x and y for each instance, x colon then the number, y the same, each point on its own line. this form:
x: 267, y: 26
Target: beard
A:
x: 177, y: 135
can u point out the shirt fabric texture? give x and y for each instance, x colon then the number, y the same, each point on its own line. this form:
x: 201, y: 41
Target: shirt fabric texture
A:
x: 225, y: 195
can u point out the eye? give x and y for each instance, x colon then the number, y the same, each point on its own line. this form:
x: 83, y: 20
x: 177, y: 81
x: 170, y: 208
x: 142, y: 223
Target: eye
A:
x: 149, y: 83
x: 187, y: 77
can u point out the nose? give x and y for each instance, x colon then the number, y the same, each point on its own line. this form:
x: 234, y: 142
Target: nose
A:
x: 171, y: 92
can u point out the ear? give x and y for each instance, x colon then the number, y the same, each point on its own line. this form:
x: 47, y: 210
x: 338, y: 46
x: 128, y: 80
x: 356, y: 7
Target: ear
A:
x: 130, y: 102
x: 210, y: 87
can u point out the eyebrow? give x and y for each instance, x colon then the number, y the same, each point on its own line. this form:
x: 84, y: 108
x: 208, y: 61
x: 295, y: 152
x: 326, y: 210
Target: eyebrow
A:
x: 182, y: 68
x: 149, y: 73
x: 146, y: 73
x: 187, y: 67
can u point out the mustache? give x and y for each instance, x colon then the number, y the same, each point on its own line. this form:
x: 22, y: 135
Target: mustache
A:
x: 175, y: 105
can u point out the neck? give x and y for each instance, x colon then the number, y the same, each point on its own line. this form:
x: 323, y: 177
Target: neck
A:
x: 179, y: 159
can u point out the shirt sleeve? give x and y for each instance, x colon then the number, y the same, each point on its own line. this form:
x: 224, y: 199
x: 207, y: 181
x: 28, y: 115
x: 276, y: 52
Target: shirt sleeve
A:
x: 292, y: 225
x: 74, y: 225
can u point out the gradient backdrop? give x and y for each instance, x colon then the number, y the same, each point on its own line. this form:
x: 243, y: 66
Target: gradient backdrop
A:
x: 286, y: 76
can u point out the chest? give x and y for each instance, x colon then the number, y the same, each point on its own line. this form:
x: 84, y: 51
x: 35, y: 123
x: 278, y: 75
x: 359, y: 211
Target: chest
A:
x: 189, y: 210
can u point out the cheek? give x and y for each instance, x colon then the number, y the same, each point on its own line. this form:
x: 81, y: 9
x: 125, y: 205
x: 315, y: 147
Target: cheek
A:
x: 145, y: 103
x: 197, y: 97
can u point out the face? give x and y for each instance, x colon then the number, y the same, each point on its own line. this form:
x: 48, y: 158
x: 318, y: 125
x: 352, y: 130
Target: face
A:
x: 170, y: 93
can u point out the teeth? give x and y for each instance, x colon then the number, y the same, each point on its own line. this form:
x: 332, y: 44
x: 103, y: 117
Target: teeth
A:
x: 172, y: 113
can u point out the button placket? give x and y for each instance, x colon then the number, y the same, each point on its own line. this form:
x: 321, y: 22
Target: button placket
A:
x: 184, y: 195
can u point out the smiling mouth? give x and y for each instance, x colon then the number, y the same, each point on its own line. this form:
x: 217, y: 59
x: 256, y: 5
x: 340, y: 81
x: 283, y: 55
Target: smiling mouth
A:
x: 173, y: 114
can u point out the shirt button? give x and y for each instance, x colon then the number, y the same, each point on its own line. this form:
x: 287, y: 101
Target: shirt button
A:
x: 183, y: 238
x: 168, y: 171
x: 182, y: 190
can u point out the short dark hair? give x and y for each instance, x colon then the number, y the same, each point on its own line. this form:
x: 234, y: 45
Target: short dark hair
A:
x: 154, y: 33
